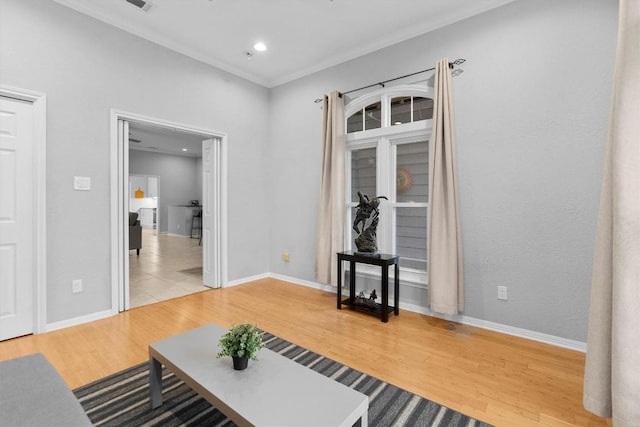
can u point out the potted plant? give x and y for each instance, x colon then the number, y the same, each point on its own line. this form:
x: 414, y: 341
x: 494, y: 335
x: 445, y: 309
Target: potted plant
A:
x: 241, y: 342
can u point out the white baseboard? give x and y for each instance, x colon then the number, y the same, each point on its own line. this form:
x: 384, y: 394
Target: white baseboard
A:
x: 79, y: 320
x: 465, y: 320
x: 502, y: 328
x: 302, y: 282
x: 246, y: 280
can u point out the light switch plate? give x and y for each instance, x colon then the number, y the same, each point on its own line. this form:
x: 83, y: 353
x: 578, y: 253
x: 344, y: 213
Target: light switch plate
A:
x: 82, y: 183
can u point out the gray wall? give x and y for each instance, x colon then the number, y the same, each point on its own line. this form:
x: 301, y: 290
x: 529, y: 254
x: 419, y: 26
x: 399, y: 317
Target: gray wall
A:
x: 180, y: 178
x: 532, y: 108
x: 86, y: 68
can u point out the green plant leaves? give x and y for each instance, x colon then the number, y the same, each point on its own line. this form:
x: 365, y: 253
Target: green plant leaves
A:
x: 241, y: 340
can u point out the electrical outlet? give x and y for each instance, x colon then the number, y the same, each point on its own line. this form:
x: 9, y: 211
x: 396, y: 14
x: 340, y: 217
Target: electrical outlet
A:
x: 82, y: 183
x: 502, y: 292
x: 285, y: 257
x: 76, y: 286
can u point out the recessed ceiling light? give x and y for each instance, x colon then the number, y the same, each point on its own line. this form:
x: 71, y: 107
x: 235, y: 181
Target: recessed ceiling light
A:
x: 260, y: 47
x: 184, y: 149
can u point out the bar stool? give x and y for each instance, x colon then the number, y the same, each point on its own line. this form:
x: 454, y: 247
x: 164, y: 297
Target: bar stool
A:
x: 196, y: 224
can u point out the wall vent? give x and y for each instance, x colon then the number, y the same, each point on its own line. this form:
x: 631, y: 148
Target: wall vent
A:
x: 144, y: 5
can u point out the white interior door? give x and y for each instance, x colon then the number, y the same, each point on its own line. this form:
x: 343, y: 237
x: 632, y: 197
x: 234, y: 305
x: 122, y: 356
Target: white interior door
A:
x: 123, y: 208
x: 211, y: 218
x: 17, y: 249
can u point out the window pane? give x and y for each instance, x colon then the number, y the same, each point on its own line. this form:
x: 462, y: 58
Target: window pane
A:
x: 363, y: 173
x: 422, y: 108
x: 354, y: 122
x: 411, y: 237
x: 400, y: 110
x: 373, y: 115
x: 412, y: 179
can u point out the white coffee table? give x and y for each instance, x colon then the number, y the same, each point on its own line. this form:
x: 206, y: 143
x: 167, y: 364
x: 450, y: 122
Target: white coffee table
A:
x: 272, y: 391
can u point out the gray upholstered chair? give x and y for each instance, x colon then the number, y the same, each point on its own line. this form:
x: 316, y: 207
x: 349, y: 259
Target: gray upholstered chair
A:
x: 135, y: 232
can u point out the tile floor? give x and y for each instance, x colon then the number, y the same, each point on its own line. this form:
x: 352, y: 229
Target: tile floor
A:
x: 158, y: 272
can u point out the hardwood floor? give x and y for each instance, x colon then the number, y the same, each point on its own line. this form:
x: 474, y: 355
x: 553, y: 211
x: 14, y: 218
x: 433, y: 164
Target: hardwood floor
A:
x: 167, y: 267
x: 500, y: 379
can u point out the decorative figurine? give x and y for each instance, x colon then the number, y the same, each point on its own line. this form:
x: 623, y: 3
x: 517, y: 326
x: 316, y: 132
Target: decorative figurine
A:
x: 369, y: 302
x: 367, y: 212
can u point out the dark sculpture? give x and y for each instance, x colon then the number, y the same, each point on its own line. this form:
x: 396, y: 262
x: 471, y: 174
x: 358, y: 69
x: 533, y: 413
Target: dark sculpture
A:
x: 369, y: 302
x: 367, y: 212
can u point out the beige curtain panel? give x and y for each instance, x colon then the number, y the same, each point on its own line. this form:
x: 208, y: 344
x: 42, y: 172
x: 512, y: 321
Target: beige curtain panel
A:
x: 332, y: 204
x: 445, y: 270
x: 612, y: 372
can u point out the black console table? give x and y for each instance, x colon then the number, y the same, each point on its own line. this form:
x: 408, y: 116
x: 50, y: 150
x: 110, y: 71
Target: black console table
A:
x: 382, y: 260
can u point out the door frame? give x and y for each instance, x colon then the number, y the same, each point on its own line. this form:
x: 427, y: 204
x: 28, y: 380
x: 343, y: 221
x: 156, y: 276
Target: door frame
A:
x: 39, y: 102
x: 120, y: 199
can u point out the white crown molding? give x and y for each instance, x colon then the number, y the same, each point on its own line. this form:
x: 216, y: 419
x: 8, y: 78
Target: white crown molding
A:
x: 408, y: 34
x: 163, y: 41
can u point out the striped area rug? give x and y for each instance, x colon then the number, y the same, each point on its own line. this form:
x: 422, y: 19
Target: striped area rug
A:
x: 122, y: 399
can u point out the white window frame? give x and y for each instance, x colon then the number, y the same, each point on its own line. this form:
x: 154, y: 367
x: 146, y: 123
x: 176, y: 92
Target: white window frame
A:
x: 385, y: 140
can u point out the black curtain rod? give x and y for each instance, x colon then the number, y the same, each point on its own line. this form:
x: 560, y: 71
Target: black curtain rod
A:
x: 382, y: 83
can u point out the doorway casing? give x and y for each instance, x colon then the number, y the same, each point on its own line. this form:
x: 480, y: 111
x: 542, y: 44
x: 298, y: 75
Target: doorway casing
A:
x: 214, y: 252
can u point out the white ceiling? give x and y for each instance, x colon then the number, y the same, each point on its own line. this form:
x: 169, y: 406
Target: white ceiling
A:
x: 303, y: 36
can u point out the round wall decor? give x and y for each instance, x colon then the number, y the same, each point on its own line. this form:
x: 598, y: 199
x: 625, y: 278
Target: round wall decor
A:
x: 404, y: 180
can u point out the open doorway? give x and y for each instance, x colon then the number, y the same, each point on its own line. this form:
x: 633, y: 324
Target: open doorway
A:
x: 180, y: 255
x: 165, y: 193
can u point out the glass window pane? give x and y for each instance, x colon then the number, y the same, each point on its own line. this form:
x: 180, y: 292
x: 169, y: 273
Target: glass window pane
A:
x: 363, y: 173
x: 411, y: 237
x: 373, y: 116
x: 400, y: 110
x: 412, y: 179
x: 354, y: 122
x: 422, y: 108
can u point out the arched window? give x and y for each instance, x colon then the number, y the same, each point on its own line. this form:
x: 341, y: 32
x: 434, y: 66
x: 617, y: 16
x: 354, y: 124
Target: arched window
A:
x: 387, y: 155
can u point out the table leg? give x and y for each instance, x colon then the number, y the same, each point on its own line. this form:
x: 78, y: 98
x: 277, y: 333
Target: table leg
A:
x: 352, y: 282
x: 339, y: 283
x: 364, y: 419
x: 385, y: 293
x: 155, y: 382
x: 396, y: 290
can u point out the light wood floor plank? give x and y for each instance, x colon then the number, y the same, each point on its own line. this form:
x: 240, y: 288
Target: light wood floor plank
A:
x: 500, y: 379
